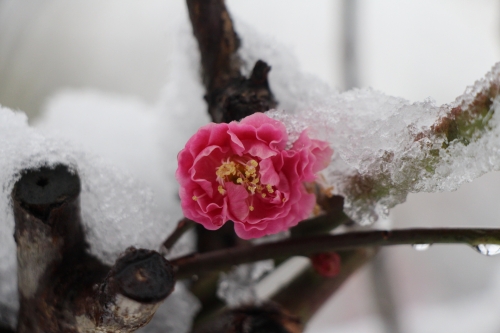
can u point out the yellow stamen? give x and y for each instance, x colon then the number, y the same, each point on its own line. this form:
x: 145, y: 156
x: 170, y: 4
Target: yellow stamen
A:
x: 195, y: 198
x: 221, y: 190
x: 226, y: 169
x: 243, y: 173
x: 251, y: 208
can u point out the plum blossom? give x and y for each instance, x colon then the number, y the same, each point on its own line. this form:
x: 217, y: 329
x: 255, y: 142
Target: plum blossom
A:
x: 241, y: 172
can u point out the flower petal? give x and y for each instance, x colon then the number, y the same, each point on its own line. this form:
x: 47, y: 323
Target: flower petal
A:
x: 237, y: 205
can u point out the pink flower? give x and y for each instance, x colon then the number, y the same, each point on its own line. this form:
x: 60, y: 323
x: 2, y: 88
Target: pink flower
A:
x: 243, y: 173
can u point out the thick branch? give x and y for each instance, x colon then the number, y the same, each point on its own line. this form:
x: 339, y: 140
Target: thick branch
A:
x: 223, y: 259
x: 217, y: 41
x: 62, y: 288
x: 306, y: 293
x: 48, y: 232
x: 229, y: 95
x: 131, y: 293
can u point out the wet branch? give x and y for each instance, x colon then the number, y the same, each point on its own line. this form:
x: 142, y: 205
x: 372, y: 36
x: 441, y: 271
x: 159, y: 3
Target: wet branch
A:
x: 224, y: 259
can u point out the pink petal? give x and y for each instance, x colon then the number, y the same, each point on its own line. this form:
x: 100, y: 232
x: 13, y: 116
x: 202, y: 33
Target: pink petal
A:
x: 274, y: 136
x: 237, y: 205
x: 245, y: 231
x: 323, y: 153
x: 267, y: 172
x: 244, y: 140
x: 258, y: 119
x: 205, y: 166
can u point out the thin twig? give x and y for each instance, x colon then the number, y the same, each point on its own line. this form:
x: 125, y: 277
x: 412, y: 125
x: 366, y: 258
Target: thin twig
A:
x: 182, y: 227
x: 224, y: 259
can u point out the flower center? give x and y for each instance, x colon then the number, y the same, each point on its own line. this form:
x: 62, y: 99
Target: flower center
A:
x: 244, y: 173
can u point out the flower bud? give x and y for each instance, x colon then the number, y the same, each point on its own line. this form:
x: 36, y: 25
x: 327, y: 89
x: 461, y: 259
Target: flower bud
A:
x: 326, y: 264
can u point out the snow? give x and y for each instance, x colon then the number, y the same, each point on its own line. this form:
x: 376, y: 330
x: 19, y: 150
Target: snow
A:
x: 117, y: 210
x: 384, y: 147
x: 125, y: 153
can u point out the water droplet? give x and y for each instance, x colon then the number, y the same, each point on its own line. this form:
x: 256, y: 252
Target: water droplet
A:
x: 488, y: 249
x: 421, y: 247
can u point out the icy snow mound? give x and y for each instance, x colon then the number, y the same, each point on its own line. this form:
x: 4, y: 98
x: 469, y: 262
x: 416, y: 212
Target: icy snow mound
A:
x: 117, y: 211
x: 384, y: 147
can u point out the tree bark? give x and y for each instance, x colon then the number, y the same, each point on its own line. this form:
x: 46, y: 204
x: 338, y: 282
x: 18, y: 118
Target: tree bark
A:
x: 62, y: 288
x: 304, y: 246
x: 229, y: 95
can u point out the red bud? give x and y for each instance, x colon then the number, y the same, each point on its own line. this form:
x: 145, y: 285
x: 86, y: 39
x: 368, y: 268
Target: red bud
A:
x: 326, y: 264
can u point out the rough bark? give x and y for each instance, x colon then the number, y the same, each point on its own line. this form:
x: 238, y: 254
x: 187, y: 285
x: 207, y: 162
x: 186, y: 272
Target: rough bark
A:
x: 62, y: 288
x: 130, y: 294
x: 229, y: 95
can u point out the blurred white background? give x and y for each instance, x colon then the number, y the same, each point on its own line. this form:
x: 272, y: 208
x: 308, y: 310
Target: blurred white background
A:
x: 411, y: 49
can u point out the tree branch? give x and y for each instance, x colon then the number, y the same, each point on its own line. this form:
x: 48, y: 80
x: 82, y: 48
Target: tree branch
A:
x: 304, y: 295
x: 229, y: 95
x: 217, y: 41
x: 62, y: 288
x: 224, y: 259
x: 183, y: 226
